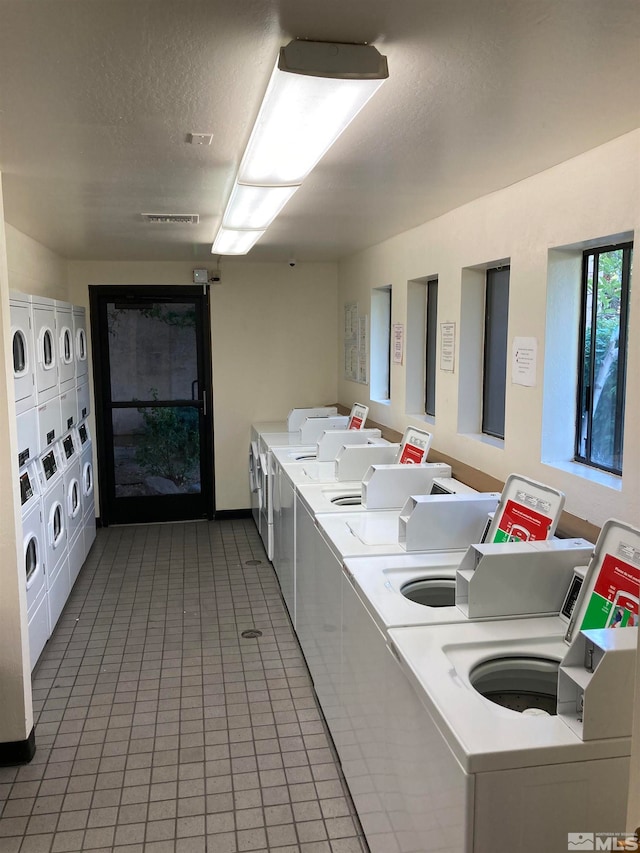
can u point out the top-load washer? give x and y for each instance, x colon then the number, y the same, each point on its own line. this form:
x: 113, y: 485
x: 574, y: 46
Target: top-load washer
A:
x: 379, y: 593
x: 23, y: 351
x: 446, y: 523
x: 519, y: 727
x: 345, y: 473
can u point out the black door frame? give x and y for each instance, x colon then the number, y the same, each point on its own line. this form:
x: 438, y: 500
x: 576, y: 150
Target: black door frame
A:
x: 164, y: 507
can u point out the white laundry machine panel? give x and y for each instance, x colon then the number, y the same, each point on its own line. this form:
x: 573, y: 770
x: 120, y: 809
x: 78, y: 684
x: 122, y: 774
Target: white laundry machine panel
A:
x: 46, y: 348
x: 33, y: 562
x: 49, y: 422
x: 58, y: 589
x: 80, y: 343
x: 68, y: 409
x: 55, y: 525
x: 73, y: 498
x: 83, y: 399
x: 65, y: 344
x: 23, y: 351
x: 77, y: 556
x: 88, y: 498
x: 33, y: 549
x: 30, y: 488
x: 50, y: 466
x: 28, y: 436
x: 56, y: 555
x: 255, y: 482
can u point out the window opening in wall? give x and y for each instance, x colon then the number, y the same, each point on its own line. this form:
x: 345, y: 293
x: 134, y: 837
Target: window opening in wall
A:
x: 381, y: 343
x: 602, y: 356
x: 496, y: 316
x: 431, y: 338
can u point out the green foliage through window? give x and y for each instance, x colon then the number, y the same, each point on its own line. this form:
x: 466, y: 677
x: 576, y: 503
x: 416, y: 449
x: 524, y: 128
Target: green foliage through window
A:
x: 169, y: 446
x: 603, y: 354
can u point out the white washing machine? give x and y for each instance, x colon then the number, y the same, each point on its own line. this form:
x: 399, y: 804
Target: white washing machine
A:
x: 483, y: 755
x: 435, y: 523
x: 24, y: 359
x: 352, y: 463
x: 379, y: 593
x: 32, y: 558
x: 87, y: 484
x: 65, y: 346
x: 291, y: 426
x: 73, y: 503
x: 55, y: 531
x: 80, y: 350
x: 46, y: 348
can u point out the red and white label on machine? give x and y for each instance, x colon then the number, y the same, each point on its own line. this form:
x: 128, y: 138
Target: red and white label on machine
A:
x: 358, y: 416
x: 415, y: 446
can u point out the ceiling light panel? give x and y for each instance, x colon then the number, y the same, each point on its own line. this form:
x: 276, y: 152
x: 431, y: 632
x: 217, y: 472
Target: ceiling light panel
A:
x: 230, y: 242
x: 300, y: 119
x: 255, y: 207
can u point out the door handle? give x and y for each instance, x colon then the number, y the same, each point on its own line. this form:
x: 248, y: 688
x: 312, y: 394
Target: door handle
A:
x: 193, y: 389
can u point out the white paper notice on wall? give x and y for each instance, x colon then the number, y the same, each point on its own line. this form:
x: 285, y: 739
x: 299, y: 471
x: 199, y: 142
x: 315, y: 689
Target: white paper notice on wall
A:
x: 398, y: 342
x: 524, y: 361
x: 447, y: 346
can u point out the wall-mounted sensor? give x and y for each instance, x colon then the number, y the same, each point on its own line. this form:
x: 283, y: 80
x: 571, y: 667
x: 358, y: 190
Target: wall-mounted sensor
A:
x: 200, y: 276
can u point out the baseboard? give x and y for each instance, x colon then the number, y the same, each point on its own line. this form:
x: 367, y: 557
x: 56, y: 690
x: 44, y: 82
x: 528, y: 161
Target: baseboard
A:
x: 230, y: 514
x: 18, y: 751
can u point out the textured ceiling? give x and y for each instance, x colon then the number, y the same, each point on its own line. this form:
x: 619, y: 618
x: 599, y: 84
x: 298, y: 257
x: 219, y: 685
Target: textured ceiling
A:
x: 97, y: 98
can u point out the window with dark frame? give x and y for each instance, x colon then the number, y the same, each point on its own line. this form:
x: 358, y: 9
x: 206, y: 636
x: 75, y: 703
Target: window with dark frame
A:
x: 602, y: 356
x: 494, y: 377
x: 431, y: 338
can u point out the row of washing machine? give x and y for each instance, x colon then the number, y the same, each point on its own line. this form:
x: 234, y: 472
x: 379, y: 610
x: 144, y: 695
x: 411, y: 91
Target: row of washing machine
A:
x: 58, y: 528
x: 467, y: 688
x: 51, y: 386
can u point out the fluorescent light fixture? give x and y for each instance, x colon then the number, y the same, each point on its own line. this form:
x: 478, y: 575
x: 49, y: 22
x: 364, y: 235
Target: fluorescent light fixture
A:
x: 255, y: 207
x: 315, y: 91
x: 234, y: 242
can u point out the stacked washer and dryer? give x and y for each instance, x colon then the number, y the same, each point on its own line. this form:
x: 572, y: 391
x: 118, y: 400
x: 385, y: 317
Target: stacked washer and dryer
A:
x: 51, y: 382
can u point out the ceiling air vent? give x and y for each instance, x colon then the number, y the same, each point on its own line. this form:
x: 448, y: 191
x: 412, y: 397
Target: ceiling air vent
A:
x: 171, y: 218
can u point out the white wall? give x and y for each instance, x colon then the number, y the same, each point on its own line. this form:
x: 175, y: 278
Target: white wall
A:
x: 33, y: 268
x: 274, y: 342
x: 16, y: 715
x: 592, y: 196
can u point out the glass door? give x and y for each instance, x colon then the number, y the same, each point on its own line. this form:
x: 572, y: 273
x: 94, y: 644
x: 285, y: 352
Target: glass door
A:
x: 153, y: 404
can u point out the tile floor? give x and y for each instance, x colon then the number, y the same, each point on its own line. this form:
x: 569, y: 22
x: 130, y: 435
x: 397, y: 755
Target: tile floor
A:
x: 159, y: 728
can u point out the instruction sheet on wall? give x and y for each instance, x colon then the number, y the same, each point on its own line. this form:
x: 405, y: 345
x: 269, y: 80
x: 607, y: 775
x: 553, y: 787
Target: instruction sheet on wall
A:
x: 356, y: 344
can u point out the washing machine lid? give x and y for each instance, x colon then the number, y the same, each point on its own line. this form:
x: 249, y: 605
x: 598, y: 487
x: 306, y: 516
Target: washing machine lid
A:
x: 528, y: 510
x: 483, y: 736
x: 338, y: 529
x: 610, y: 594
